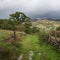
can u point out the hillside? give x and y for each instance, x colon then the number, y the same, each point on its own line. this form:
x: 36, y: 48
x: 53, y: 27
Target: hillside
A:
x: 46, y: 24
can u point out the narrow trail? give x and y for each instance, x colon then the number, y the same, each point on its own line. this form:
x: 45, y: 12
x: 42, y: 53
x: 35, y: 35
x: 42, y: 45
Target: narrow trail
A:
x: 29, y: 47
x: 31, y: 50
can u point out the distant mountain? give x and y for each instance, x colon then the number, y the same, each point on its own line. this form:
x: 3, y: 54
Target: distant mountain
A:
x: 35, y: 20
x: 45, y: 18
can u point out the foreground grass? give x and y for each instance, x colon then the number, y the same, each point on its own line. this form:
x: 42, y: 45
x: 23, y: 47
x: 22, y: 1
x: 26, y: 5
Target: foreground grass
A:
x: 49, y: 52
x: 31, y: 43
x: 9, y: 50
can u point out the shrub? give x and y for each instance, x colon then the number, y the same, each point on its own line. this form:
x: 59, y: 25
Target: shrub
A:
x: 43, y: 37
x: 58, y: 28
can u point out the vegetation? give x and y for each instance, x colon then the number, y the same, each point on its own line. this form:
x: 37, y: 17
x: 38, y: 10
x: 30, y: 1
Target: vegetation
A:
x: 46, y: 25
x: 58, y: 28
x: 4, y: 34
x: 26, y: 38
x: 9, y: 51
x: 31, y: 43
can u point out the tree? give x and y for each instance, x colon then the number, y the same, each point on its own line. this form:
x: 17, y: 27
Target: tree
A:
x: 27, y: 25
x: 18, y: 18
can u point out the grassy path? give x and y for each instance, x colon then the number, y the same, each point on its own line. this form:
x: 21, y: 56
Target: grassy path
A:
x: 30, y: 43
x: 39, y: 52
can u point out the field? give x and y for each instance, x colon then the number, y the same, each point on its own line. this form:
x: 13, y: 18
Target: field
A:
x: 4, y: 34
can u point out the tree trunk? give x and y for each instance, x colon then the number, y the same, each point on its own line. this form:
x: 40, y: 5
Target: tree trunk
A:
x: 14, y: 35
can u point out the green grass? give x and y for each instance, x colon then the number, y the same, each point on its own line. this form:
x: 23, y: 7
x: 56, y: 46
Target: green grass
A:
x: 30, y: 43
x: 48, y: 52
x: 4, y: 34
x: 14, y: 47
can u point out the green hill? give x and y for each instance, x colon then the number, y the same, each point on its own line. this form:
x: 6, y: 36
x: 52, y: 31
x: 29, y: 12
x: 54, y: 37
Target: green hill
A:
x: 46, y: 24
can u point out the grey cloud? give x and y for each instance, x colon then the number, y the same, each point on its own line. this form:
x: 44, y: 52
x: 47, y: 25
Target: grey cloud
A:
x: 32, y: 8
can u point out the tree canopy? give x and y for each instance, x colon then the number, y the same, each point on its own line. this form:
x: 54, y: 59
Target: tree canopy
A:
x: 18, y: 16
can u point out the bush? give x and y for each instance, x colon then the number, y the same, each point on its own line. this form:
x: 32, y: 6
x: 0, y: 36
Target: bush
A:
x: 58, y: 28
x: 34, y: 30
x: 31, y: 30
x: 10, y: 51
x: 43, y: 37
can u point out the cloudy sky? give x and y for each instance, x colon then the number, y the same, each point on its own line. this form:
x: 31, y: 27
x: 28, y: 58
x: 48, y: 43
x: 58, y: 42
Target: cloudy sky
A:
x: 32, y: 8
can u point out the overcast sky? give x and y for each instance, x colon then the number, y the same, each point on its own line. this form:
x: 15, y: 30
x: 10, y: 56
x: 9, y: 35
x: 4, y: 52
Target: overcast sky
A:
x: 32, y: 8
